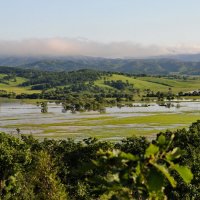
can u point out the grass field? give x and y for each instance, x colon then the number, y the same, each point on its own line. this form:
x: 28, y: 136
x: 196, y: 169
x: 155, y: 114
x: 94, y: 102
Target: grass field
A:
x: 13, y: 86
x: 177, y: 85
x: 155, y: 83
x: 140, y: 84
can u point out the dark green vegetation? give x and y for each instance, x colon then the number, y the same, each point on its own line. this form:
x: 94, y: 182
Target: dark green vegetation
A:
x: 131, y: 169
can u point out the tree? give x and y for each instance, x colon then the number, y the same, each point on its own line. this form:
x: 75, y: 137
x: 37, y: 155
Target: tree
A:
x: 44, y: 107
x: 45, y: 180
x: 15, y: 156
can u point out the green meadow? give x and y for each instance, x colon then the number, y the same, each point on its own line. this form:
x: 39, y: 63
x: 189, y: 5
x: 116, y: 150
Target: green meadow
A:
x: 155, y: 83
x: 14, y: 86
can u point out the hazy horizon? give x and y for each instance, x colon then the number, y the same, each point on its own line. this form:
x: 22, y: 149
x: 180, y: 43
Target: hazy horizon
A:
x: 103, y: 28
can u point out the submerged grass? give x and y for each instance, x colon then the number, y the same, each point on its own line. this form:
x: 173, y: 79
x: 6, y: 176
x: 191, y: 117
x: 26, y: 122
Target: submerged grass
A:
x: 161, y: 119
x: 112, y: 127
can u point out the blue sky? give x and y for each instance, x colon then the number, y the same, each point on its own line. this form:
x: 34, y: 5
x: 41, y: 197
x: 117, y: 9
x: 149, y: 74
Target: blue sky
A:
x: 141, y: 22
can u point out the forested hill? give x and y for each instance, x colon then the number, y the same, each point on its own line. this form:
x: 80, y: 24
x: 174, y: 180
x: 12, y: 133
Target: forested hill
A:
x: 153, y: 66
x: 47, y: 79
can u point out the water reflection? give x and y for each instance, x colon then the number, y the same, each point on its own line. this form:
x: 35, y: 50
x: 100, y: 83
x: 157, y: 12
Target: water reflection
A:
x: 13, y: 112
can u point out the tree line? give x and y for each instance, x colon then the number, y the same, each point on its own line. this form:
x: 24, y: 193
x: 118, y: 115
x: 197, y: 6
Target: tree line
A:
x: 133, y: 168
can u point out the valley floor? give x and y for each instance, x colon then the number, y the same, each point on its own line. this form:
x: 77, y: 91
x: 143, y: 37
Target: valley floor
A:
x: 115, y: 124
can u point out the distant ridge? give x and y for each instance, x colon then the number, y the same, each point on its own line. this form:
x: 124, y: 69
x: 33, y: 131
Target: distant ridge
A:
x: 188, y: 64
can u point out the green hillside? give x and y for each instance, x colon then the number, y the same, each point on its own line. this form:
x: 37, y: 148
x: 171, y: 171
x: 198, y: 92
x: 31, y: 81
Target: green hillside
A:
x: 177, y: 85
x: 155, y: 83
x: 14, y: 86
x: 137, y: 82
x: 91, y: 81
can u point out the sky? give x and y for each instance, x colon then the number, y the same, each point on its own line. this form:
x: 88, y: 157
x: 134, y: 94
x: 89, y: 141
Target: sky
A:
x: 108, y: 28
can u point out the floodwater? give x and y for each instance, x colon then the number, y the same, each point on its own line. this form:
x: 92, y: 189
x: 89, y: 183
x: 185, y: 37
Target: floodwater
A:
x: 29, y: 119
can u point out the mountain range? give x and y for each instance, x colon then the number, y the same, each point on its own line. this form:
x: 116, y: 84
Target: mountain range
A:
x: 188, y: 64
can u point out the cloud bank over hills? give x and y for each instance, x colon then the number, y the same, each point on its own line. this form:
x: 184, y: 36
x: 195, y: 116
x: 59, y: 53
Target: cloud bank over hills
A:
x: 81, y: 46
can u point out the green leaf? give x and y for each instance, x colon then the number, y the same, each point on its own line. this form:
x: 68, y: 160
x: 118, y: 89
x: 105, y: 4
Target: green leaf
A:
x: 138, y: 169
x: 174, y: 154
x: 128, y: 156
x: 95, y: 162
x: 151, y: 150
x: 155, y: 180
x: 165, y: 172
x: 184, y: 172
x: 161, y: 140
x: 112, y: 177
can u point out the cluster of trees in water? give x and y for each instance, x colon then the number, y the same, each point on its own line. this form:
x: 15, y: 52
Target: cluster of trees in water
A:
x: 133, y: 168
x: 95, y: 99
x: 169, y: 95
x: 75, y: 101
x: 84, y: 103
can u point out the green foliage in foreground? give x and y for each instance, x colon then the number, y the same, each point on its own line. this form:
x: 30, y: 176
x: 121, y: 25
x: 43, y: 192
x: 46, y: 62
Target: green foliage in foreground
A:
x: 131, y: 176
x: 131, y: 169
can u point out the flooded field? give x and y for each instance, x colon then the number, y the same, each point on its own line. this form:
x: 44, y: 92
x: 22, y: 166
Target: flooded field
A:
x: 141, y: 119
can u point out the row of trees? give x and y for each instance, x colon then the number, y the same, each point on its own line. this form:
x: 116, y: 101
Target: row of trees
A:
x: 133, y: 168
x: 192, y: 93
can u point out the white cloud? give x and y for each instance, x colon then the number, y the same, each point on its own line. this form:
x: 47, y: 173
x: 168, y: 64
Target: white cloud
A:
x: 67, y: 46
